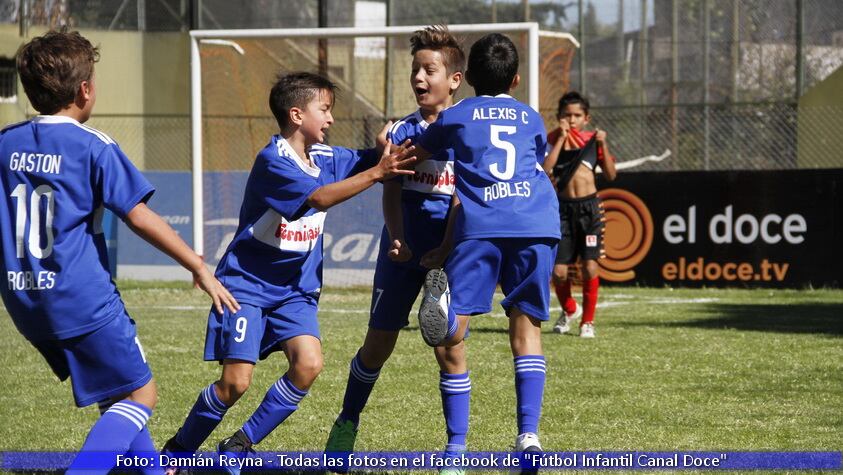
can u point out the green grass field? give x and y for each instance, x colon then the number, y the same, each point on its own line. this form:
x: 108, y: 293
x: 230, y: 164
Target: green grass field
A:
x: 670, y: 370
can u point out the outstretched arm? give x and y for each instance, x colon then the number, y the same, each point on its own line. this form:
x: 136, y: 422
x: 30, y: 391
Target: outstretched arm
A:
x: 148, y: 225
x: 393, y: 162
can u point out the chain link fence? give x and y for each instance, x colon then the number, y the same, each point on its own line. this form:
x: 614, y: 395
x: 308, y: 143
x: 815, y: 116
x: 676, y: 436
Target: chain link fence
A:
x: 722, y: 84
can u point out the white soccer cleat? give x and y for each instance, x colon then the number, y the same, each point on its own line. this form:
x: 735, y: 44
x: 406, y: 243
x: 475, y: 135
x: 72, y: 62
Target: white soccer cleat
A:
x: 433, y: 311
x: 563, y: 325
x: 524, y: 443
x: 587, y: 330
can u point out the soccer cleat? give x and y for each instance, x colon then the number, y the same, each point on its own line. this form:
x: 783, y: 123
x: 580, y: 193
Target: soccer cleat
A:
x: 527, y: 442
x: 587, y: 330
x: 341, y: 440
x: 563, y: 325
x: 172, y: 448
x: 433, y: 312
x: 237, y: 446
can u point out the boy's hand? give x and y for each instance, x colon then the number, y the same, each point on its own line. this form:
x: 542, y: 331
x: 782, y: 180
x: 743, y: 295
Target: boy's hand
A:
x: 399, y: 251
x: 219, y: 294
x: 600, y: 136
x: 396, y: 160
x: 564, y: 126
x: 435, y: 258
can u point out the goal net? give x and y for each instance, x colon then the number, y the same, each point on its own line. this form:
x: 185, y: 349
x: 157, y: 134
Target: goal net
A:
x: 232, y: 72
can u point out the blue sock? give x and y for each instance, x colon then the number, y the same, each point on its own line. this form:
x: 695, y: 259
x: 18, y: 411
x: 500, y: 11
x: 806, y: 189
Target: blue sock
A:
x: 453, y: 323
x: 142, y: 446
x: 113, y: 432
x: 529, y: 389
x: 361, y: 381
x: 203, y: 418
x: 456, y: 395
x: 280, y: 401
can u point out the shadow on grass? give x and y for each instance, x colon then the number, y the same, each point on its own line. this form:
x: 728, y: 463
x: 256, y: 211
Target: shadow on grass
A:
x: 815, y: 318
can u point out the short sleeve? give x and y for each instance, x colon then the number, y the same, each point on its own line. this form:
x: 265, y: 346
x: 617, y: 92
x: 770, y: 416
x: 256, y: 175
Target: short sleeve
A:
x: 121, y: 185
x: 283, y: 186
x: 349, y: 162
x: 435, y: 137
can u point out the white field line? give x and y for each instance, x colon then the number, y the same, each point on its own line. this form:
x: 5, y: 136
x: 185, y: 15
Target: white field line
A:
x: 609, y: 302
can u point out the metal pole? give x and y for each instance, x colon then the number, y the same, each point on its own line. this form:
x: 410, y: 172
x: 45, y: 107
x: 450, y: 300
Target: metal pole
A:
x: 581, y: 35
x: 534, y: 66
x: 322, y: 42
x: 494, y: 11
x: 674, y: 75
x: 643, y: 51
x: 736, y: 44
x: 387, y: 103
x: 196, y: 146
x: 800, y: 45
x: 23, y: 21
x: 621, y: 55
x: 141, y: 15
x: 526, y: 4
x: 706, y: 78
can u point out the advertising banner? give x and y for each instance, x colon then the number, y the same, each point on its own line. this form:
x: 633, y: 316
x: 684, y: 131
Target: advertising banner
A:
x: 723, y: 229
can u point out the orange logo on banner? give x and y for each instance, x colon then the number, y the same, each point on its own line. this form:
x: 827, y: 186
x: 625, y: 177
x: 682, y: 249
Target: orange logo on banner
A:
x: 627, y: 236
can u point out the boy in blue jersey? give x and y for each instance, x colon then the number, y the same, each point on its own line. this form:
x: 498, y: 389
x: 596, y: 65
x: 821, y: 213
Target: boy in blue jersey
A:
x: 506, y: 225
x: 415, y: 214
x: 60, y: 175
x: 274, y: 264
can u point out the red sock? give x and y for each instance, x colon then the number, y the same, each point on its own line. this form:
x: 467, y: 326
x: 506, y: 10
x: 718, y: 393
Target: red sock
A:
x: 589, y: 299
x: 563, y: 293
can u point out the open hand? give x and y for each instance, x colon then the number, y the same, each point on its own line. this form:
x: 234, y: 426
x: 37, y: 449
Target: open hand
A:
x: 219, y: 294
x: 397, y: 160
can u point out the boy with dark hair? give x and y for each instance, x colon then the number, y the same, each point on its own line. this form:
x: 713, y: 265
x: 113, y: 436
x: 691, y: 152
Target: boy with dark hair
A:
x: 573, y: 163
x: 274, y: 263
x: 415, y: 214
x: 60, y: 176
x: 505, y: 230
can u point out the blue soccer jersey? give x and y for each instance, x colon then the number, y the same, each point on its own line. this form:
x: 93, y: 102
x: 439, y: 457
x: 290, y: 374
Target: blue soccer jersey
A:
x: 426, y: 195
x: 499, y: 144
x: 276, y: 252
x: 57, y: 175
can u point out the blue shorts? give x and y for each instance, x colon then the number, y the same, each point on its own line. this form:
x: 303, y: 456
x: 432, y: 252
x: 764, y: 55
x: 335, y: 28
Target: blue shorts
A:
x: 522, y: 266
x: 395, y: 288
x: 103, y: 364
x: 255, y: 332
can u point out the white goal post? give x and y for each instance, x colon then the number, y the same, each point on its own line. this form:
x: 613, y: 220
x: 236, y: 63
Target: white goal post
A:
x: 227, y: 38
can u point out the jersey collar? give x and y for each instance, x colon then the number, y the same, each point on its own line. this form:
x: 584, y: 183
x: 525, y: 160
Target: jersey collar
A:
x: 423, y: 123
x: 499, y: 96
x: 285, y: 150
x: 54, y: 119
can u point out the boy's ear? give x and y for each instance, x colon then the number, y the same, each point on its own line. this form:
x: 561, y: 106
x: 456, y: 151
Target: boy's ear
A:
x: 295, y: 115
x: 456, y: 81
x: 515, y: 81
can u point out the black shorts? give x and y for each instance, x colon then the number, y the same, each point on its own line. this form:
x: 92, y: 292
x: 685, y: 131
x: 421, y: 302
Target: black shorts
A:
x: 582, y: 229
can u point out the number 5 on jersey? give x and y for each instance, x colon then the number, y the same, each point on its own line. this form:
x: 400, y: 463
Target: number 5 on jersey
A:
x: 509, y: 163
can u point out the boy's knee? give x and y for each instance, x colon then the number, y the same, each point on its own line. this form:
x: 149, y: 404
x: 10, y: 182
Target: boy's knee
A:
x: 560, y: 274
x: 306, y: 368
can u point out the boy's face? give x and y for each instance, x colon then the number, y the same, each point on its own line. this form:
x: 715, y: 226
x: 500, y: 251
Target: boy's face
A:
x: 576, y: 117
x: 429, y: 78
x: 316, y: 117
